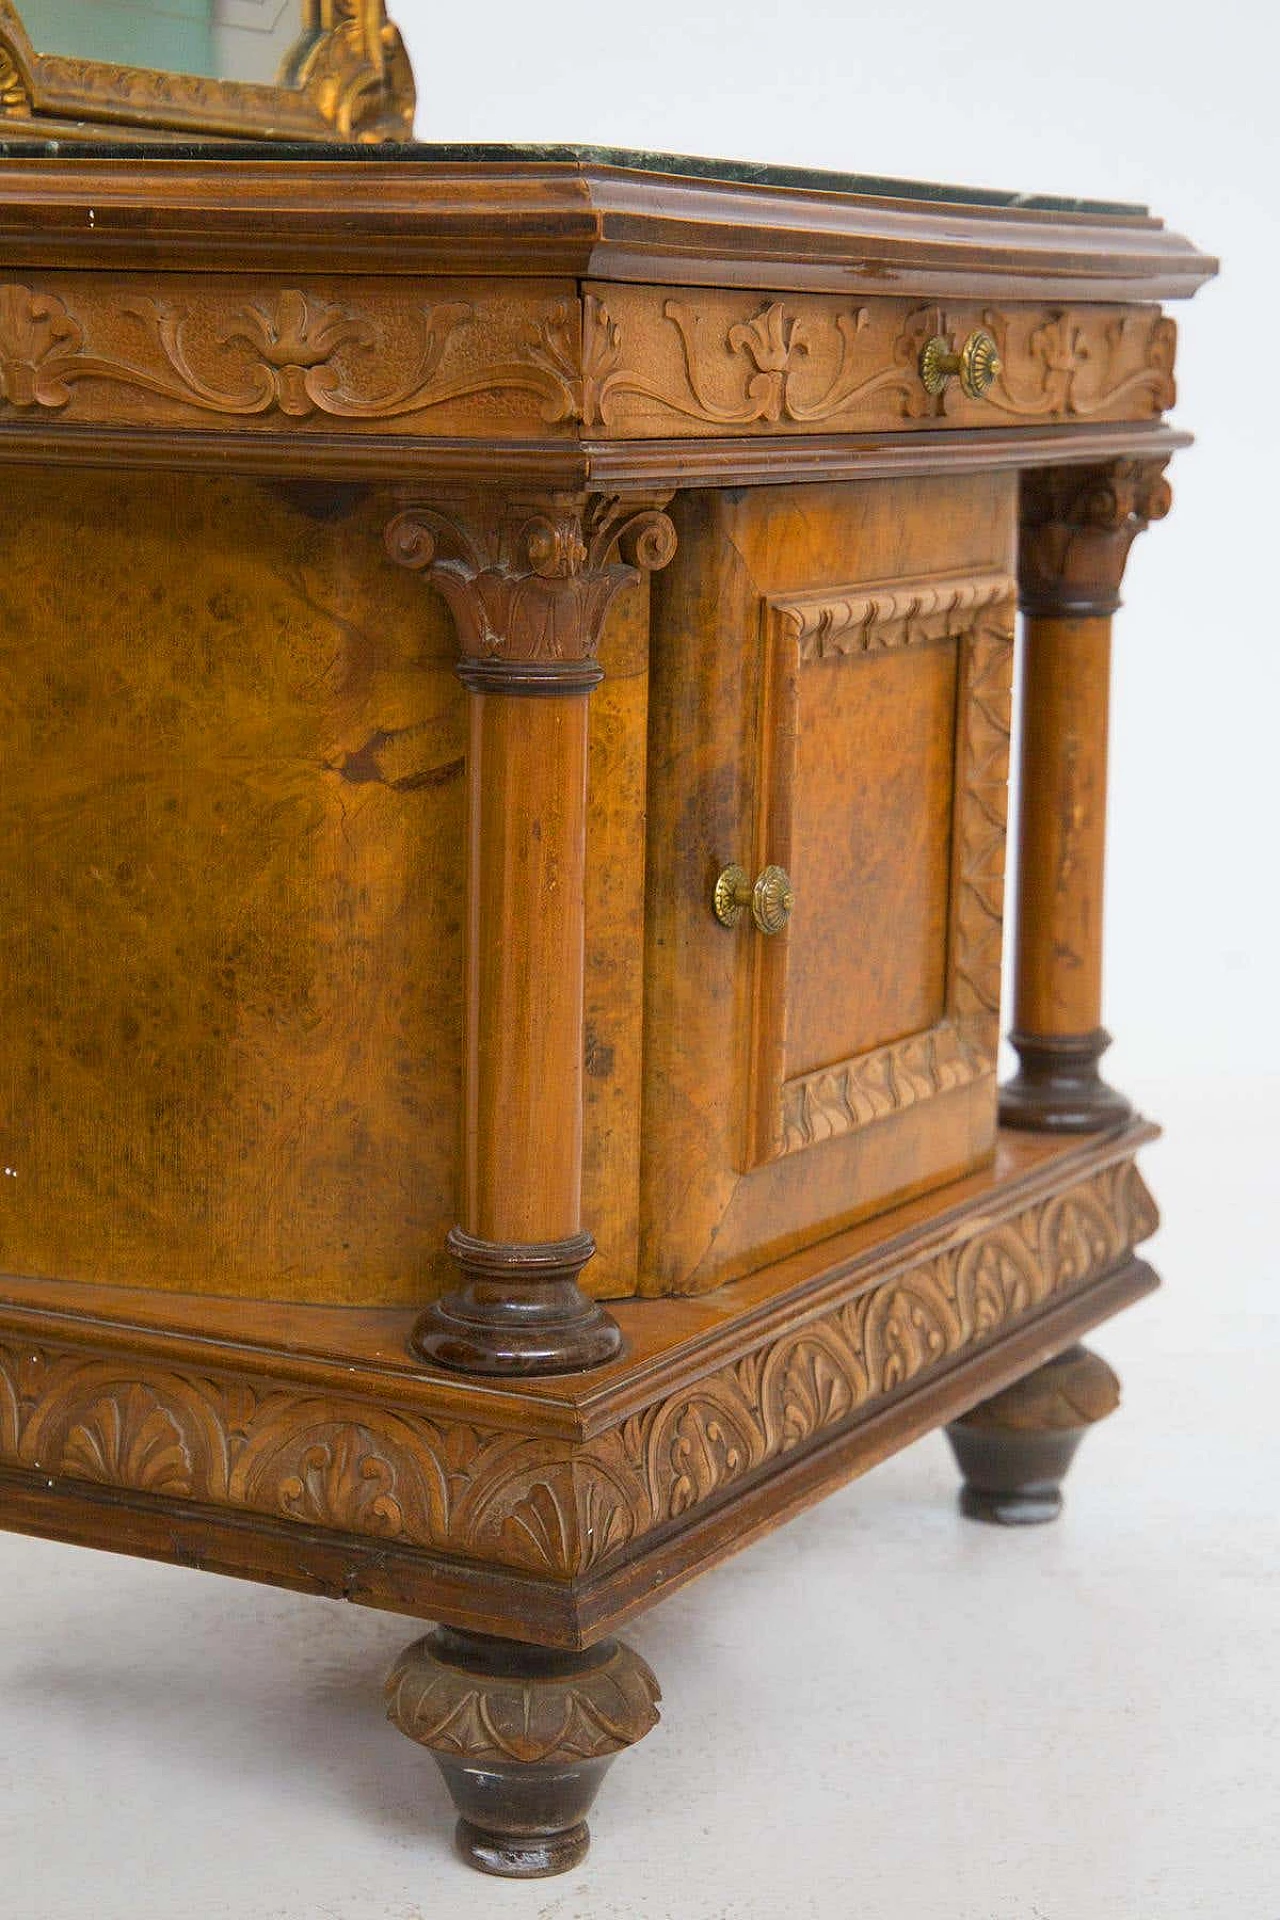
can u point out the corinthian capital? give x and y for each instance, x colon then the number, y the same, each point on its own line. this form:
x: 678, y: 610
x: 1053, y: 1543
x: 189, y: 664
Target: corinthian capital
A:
x: 1077, y: 525
x: 530, y: 580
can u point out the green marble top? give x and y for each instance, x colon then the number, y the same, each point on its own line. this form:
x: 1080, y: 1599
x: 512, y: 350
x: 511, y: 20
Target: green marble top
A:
x: 672, y: 165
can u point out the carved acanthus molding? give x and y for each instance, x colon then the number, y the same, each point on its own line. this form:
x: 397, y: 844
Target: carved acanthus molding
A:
x: 878, y: 619
x: 529, y: 583
x: 1077, y: 526
x: 963, y: 1046
x: 547, y: 1505
x: 582, y: 1708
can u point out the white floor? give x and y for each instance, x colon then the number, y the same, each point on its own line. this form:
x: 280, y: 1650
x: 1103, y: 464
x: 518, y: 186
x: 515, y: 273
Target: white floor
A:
x: 882, y: 1712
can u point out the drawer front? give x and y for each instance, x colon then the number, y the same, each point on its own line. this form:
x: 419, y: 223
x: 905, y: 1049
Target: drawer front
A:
x: 662, y: 362
x: 831, y: 683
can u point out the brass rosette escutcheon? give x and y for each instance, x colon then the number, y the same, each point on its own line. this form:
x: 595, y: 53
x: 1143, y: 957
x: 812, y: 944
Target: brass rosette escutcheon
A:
x: 771, y: 899
x: 977, y: 365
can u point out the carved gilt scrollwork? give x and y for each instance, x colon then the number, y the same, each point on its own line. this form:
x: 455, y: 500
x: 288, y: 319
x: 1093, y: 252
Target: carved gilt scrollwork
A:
x: 347, y: 77
x: 14, y: 97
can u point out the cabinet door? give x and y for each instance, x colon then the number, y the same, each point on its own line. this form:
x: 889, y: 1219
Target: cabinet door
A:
x: 831, y: 697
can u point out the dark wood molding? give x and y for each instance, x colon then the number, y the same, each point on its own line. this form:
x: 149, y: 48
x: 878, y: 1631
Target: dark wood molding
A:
x: 573, y: 467
x: 1057, y: 1088
x: 412, y: 216
x: 518, y: 1311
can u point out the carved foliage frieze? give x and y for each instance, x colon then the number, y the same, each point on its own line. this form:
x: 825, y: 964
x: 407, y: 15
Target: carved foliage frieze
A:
x: 370, y: 358
x: 702, y: 361
x: 519, y: 357
x: 977, y: 610
x: 544, y: 1504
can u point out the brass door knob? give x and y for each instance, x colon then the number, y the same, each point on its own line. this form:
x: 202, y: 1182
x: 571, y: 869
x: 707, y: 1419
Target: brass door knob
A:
x: 770, y: 899
x: 978, y: 364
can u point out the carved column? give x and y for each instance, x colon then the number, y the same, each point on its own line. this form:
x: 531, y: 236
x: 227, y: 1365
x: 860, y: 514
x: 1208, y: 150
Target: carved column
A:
x: 1077, y: 525
x: 529, y: 582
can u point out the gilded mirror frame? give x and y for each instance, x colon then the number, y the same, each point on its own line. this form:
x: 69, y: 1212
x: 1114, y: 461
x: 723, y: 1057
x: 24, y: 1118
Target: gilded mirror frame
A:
x: 347, y: 77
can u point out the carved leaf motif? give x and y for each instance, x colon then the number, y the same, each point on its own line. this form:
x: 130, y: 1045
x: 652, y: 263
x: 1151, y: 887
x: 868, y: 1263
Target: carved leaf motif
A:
x: 1055, y: 367
x: 128, y: 1438
x: 1080, y: 1236
x: 540, y: 1532
x: 559, y: 1718
x: 343, y: 1481
x: 558, y: 1508
x: 753, y: 372
x: 696, y: 1445
x: 296, y: 356
x: 39, y: 347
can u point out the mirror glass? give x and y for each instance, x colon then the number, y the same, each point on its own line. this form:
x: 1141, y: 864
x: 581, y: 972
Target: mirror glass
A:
x: 225, y: 39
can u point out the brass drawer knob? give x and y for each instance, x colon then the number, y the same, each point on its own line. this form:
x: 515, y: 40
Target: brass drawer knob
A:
x: 978, y: 364
x: 770, y: 899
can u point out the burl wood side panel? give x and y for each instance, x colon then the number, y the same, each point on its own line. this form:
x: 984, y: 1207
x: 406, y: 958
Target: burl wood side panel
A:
x: 900, y: 884
x: 703, y: 1218
x: 232, y: 815
x: 231, y: 822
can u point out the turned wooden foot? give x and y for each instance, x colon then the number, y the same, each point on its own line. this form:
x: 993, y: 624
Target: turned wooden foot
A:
x: 523, y: 1736
x: 1014, y: 1450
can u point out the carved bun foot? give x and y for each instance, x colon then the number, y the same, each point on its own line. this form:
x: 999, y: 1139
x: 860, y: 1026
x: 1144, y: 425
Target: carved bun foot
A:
x: 1058, y: 1089
x: 523, y: 1736
x: 519, y: 1311
x: 1014, y: 1450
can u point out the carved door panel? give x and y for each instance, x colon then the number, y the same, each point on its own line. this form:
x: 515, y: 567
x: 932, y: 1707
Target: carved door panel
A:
x: 882, y: 781
x: 830, y: 696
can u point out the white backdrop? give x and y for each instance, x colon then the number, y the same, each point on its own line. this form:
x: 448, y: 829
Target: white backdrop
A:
x: 1171, y: 106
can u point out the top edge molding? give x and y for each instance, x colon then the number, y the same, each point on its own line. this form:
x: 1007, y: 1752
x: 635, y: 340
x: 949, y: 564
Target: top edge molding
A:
x: 390, y: 212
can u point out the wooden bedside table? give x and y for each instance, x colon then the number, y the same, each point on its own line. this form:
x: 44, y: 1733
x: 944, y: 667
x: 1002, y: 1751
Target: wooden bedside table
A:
x: 506, y: 664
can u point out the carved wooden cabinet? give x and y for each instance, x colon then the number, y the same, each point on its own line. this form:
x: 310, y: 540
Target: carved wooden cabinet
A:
x: 506, y: 668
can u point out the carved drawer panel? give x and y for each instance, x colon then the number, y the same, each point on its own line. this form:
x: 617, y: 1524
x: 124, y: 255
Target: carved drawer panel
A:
x: 694, y: 361
x: 237, y: 351
x: 830, y: 696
